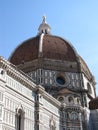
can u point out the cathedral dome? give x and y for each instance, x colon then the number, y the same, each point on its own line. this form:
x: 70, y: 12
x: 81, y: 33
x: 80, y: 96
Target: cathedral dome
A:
x: 43, y: 45
x: 46, y: 46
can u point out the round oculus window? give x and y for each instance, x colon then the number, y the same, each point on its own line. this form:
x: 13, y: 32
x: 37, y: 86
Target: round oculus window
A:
x: 60, y: 80
x: 61, y: 99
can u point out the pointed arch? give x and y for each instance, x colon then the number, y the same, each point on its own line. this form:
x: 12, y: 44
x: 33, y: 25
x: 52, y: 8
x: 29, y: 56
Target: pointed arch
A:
x: 19, y: 119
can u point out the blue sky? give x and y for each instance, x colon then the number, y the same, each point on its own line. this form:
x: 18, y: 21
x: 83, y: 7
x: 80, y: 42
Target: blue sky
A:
x: 74, y: 20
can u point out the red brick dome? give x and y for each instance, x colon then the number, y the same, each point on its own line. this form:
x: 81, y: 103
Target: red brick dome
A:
x: 45, y: 46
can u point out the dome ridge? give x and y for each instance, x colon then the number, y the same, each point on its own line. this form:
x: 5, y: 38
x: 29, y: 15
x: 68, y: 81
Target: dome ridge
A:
x: 41, y: 45
x: 61, y: 47
x: 46, y: 46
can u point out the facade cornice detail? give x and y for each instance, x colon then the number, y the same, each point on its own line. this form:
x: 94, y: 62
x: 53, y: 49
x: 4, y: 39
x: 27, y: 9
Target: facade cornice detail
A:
x: 13, y: 71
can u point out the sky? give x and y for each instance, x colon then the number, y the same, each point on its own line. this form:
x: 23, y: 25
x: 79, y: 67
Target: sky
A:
x: 74, y: 20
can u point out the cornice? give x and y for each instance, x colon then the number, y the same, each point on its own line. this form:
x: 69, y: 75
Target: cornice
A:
x: 45, y: 63
x: 15, y: 73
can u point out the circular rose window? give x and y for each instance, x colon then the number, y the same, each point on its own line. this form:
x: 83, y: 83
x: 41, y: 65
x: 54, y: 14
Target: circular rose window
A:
x: 60, y: 80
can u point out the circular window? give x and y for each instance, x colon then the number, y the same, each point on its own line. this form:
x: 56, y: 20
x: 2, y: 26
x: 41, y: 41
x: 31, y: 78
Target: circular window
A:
x: 61, y: 99
x: 60, y: 80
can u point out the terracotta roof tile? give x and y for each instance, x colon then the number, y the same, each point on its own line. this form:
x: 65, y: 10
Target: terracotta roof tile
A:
x: 53, y: 47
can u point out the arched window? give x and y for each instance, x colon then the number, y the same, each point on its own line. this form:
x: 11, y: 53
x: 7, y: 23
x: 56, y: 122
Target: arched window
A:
x: 2, y: 72
x: 61, y: 99
x: 70, y: 99
x: 68, y: 115
x: 19, y: 119
x: 78, y: 101
x: 45, y: 31
x: 52, y: 124
x: 89, y: 88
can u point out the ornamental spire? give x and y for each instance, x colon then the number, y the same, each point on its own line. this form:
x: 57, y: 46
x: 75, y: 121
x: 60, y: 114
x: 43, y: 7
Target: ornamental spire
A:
x: 44, y: 19
x: 44, y: 27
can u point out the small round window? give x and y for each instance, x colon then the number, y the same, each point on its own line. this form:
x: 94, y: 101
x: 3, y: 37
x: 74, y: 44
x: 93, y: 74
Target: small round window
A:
x: 61, y: 99
x: 60, y: 80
